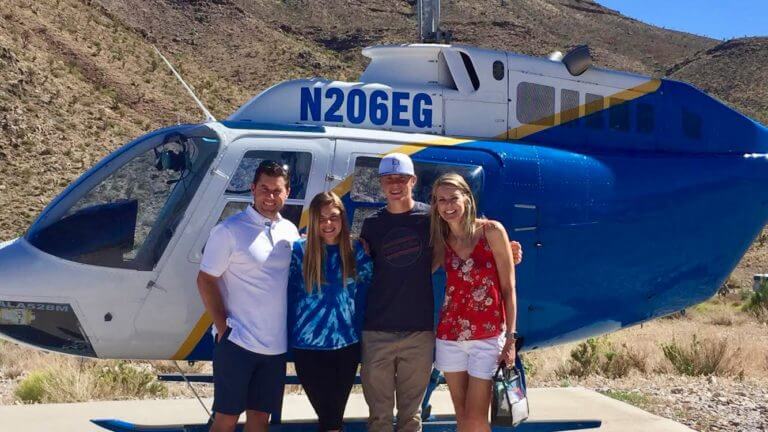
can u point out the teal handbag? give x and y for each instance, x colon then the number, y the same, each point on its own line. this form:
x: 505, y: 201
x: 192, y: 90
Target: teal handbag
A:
x: 509, y: 406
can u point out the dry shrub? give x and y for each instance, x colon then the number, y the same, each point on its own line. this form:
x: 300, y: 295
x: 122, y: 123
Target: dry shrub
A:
x: 530, y: 366
x: 15, y: 360
x: 584, y: 361
x: 621, y: 362
x: 8, y: 368
x: 89, y: 380
x: 168, y: 367
x: 598, y: 356
x: 722, y: 320
x: 707, y: 357
x: 129, y: 380
x: 68, y: 384
x: 681, y: 314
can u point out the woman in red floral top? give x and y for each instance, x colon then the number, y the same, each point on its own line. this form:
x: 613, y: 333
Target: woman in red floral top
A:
x: 479, y: 302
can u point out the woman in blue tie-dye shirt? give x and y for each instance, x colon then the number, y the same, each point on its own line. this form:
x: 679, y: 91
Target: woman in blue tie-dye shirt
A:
x: 326, y: 296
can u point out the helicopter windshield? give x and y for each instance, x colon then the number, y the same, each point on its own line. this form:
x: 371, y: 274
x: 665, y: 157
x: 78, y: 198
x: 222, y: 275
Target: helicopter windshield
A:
x: 123, y: 212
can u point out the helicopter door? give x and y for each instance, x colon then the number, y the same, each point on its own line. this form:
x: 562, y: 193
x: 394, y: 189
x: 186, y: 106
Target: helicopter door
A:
x: 178, y: 332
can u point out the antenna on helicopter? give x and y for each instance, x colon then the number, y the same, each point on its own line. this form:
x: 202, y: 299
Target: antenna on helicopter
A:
x: 429, y: 22
x: 207, y: 113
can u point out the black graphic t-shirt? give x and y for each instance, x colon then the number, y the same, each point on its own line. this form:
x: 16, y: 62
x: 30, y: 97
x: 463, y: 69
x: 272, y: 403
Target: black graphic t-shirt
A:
x: 400, y: 296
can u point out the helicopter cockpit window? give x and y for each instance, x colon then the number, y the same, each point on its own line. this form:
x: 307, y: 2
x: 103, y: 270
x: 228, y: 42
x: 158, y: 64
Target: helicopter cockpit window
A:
x: 366, y: 191
x: 124, y: 211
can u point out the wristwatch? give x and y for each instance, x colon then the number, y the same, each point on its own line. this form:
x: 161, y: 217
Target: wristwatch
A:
x: 511, y: 335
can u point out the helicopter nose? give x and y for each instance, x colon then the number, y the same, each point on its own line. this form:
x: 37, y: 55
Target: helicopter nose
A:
x: 26, y: 316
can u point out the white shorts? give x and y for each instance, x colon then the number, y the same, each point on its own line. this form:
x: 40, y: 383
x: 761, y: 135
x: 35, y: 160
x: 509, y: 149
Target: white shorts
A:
x: 479, y: 358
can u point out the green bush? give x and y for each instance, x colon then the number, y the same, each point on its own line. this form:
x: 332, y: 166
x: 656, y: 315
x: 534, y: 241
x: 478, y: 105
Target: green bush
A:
x: 757, y: 304
x: 708, y: 357
x: 33, y: 388
x: 585, y: 358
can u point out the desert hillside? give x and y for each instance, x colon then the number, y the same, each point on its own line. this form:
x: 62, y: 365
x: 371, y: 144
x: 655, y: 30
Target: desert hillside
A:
x: 80, y: 77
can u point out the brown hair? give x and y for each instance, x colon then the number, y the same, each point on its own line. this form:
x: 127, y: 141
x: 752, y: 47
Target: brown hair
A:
x: 272, y: 169
x: 314, y: 255
x: 439, y: 229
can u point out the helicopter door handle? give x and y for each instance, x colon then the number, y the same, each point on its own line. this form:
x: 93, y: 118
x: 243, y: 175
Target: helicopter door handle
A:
x: 152, y: 284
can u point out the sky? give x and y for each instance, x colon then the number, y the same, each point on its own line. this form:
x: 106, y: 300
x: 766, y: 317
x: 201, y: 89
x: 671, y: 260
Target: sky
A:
x: 718, y: 19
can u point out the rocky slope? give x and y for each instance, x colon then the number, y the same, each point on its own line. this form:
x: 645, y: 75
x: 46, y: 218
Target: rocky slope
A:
x: 80, y: 77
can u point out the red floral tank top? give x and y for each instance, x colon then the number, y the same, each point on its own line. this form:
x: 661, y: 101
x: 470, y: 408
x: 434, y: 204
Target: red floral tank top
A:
x: 472, y: 308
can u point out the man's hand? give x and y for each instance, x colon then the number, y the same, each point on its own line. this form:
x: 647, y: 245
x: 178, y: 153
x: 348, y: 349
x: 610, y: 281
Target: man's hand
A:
x: 208, y: 286
x: 517, y: 251
x: 366, y: 247
x: 221, y: 328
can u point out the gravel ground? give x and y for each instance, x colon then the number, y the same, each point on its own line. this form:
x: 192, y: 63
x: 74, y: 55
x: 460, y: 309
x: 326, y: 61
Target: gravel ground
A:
x: 701, y: 403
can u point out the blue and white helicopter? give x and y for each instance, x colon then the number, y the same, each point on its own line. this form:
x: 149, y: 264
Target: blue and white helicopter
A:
x: 633, y: 197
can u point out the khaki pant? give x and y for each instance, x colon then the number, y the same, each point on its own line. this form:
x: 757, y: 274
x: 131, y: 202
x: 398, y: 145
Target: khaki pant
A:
x: 396, y: 366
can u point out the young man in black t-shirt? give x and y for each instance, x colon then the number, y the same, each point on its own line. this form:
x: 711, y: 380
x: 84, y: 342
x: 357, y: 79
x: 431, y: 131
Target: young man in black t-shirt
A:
x: 398, y: 336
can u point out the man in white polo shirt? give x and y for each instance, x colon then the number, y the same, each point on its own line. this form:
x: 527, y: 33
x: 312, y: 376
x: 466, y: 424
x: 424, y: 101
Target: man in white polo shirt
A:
x: 242, y: 282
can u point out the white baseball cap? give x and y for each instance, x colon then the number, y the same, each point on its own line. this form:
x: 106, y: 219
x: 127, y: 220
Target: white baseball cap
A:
x: 396, y: 163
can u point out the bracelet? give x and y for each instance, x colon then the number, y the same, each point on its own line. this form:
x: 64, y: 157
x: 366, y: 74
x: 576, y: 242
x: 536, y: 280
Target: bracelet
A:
x: 511, y: 335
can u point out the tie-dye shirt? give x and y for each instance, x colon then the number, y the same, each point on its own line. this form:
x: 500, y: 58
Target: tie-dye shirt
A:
x: 331, y: 317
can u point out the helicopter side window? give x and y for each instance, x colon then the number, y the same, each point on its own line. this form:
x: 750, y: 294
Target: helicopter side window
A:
x: 618, y: 114
x: 644, y: 118
x: 594, y: 111
x: 470, y: 70
x: 691, y: 123
x: 366, y: 190
x: 298, y: 164
x: 239, y: 189
x: 535, y: 104
x: 569, y: 107
x: 129, y: 215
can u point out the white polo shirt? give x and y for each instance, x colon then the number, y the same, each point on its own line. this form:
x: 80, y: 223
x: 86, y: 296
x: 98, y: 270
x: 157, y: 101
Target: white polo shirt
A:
x: 251, y: 255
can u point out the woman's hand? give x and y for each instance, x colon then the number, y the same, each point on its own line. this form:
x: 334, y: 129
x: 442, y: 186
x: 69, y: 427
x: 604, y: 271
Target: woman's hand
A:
x: 508, y: 353
x: 517, y: 251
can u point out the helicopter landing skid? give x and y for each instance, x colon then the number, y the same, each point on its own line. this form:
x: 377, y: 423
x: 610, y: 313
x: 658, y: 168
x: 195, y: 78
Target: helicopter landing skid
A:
x: 438, y: 424
x: 442, y: 425
x: 447, y: 424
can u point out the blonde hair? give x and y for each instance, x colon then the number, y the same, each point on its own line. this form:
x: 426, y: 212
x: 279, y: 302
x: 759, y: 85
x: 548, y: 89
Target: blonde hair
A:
x: 439, y: 229
x: 314, y: 255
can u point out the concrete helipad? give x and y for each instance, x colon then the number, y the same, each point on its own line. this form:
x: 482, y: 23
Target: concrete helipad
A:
x: 552, y: 409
